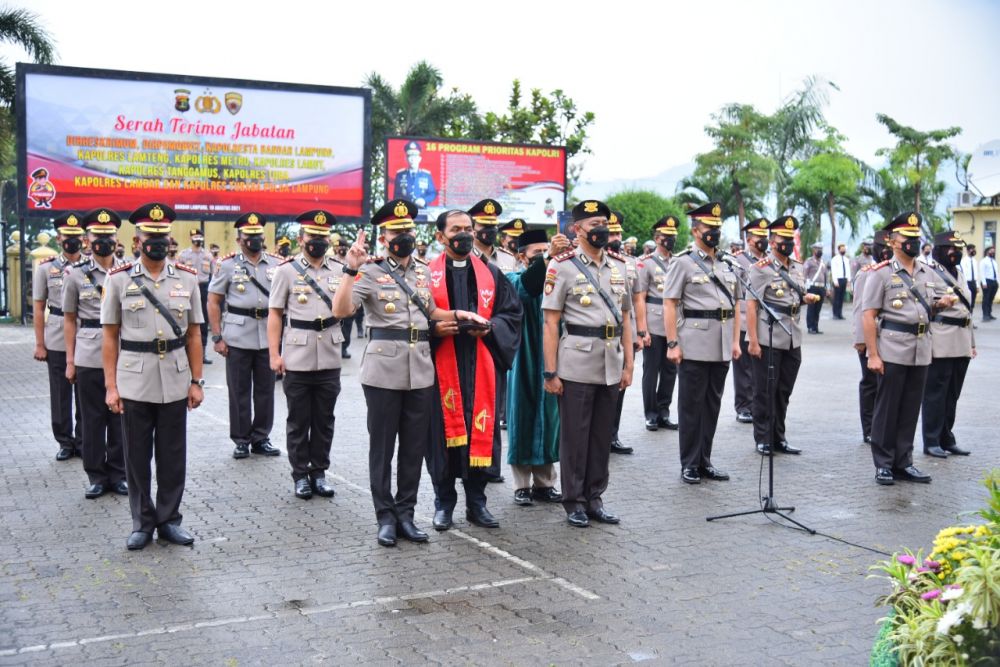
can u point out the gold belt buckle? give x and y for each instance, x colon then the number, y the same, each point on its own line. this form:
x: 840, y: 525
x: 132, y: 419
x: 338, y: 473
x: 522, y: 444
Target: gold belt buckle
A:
x: 609, y: 332
x: 414, y: 335
x: 921, y: 329
x: 161, y: 346
x: 319, y: 323
x: 795, y: 310
x: 722, y: 314
x: 256, y: 314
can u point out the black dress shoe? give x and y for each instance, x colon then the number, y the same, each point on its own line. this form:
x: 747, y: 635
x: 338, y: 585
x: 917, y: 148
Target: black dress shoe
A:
x: 578, y: 519
x: 175, y: 534
x: 664, y: 422
x: 138, y: 540
x: 603, y: 516
x: 495, y: 479
x: 936, y: 452
x: 345, y: 354
x: 409, y: 531
x: 94, y: 491
x: 744, y: 417
x: 956, y: 450
x: 546, y: 495
x: 618, y: 448
x: 867, y: 440
x: 442, y: 520
x: 884, y: 477
x: 763, y: 448
x: 387, y: 535
x: 711, y: 472
x: 120, y: 487
x: 64, y: 454
x: 911, y: 474
x: 323, y: 487
x: 652, y: 424
x: 206, y: 361
x: 523, y: 497
x: 265, y: 448
x: 480, y: 516
x: 302, y: 489
x: 241, y: 451
x: 785, y: 448
x: 690, y: 476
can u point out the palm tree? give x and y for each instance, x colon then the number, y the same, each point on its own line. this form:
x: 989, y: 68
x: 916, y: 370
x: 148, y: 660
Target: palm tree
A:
x: 21, y: 28
x: 701, y: 187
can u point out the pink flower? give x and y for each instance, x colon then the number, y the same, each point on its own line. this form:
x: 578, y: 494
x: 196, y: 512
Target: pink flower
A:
x: 930, y: 595
x: 905, y: 559
x: 932, y: 564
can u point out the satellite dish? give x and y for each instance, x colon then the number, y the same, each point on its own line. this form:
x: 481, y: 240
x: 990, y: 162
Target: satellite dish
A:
x: 984, y: 169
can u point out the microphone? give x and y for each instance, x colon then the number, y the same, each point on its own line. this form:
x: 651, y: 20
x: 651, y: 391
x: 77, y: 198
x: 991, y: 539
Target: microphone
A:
x: 730, y: 260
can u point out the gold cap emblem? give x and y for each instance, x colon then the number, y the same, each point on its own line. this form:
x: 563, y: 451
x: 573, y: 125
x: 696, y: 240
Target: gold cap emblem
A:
x: 489, y: 209
x: 252, y: 219
x: 71, y: 221
x: 762, y: 224
x: 400, y: 210
x: 156, y: 214
x: 103, y: 217
x: 716, y: 210
x: 518, y: 225
x: 789, y: 223
x: 320, y: 218
x: 912, y: 220
x: 590, y: 207
x: 614, y: 218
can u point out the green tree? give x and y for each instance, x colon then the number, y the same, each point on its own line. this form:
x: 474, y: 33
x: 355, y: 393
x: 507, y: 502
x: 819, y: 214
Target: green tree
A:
x: 642, y: 208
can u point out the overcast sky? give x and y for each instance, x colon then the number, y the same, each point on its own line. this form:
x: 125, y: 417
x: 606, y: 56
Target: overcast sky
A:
x: 652, y: 72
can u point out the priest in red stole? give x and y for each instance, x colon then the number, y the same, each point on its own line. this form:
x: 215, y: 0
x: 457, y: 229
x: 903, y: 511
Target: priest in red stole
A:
x: 465, y: 433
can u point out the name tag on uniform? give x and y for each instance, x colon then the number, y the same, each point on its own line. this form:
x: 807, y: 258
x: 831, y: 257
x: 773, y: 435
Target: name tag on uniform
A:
x: 301, y: 289
x: 136, y: 305
x: 88, y: 294
x: 54, y: 271
x: 384, y: 279
x: 132, y: 289
x: 180, y: 292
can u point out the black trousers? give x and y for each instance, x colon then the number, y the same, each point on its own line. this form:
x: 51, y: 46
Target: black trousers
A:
x: 474, y: 484
x: 786, y: 370
x: 743, y: 378
x: 501, y: 393
x: 586, y: 414
x: 974, y: 290
x: 311, y: 398
x: 945, y: 378
x: 203, y: 288
x: 359, y: 320
x: 103, y: 448
x: 866, y: 394
x: 250, y: 380
x: 897, y: 406
x: 699, y: 397
x: 345, y: 328
x: 813, y: 309
x: 393, y: 413
x: 839, y: 292
x: 62, y: 396
x: 989, y: 293
x: 155, y: 430
x: 617, y: 421
x: 658, y: 377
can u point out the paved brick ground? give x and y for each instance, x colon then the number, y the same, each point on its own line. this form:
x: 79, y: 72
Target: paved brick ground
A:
x: 272, y: 578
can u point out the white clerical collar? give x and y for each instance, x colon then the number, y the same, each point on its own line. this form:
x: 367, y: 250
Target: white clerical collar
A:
x: 459, y: 263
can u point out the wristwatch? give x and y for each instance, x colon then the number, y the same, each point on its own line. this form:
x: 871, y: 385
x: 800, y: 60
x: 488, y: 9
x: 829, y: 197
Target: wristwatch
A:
x: 671, y: 344
x: 349, y: 271
x: 216, y: 338
x: 200, y: 382
x: 549, y: 375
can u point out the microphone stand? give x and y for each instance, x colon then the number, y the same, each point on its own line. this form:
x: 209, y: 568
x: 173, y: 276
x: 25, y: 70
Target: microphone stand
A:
x: 768, y: 503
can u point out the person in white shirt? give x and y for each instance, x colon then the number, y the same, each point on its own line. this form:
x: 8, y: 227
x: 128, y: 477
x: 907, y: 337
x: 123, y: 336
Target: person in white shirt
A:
x: 970, y: 269
x: 925, y: 253
x: 840, y: 275
x: 988, y: 279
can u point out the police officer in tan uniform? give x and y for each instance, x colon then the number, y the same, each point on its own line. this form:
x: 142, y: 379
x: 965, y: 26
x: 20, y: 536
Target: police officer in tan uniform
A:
x: 780, y: 283
x: 658, y: 374
x: 880, y: 252
x: 152, y: 371
x: 485, y: 227
x: 591, y: 361
x: 756, y: 232
x: 509, y: 233
x: 817, y: 275
x: 103, y: 456
x: 900, y: 300
x: 50, y: 342
x: 308, y: 354
x: 202, y: 261
x: 702, y: 323
x: 953, y: 346
x: 632, y: 274
x: 243, y: 283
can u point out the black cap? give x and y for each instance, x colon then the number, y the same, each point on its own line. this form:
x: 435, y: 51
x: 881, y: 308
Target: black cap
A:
x: 154, y: 218
x: 949, y: 237
x: 785, y: 226
x: 591, y: 208
x: 251, y: 222
x: 906, y: 223
x: 757, y: 227
x: 68, y: 224
x: 514, y: 228
x: 485, y: 212
x: 102, y: 221
x: 396, y: 214
x: 709, y: 214
x: 316, y: 221
x: 666, y: 225
x: 532, y: 236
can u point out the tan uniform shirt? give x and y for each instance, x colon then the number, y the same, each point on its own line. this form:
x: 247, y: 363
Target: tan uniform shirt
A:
x: 816, y: 271
x: 233, y: 281
x: 702, y: 339
x: 199, y: 260
x: 632, y: 273
x: 395, y: 364
x: 47, y: 282
x: 775, y: 290
x: 857, y: 312
x: 307, y: 349
x: 82, y: 290
x: 745, y: 259
x: 950, y: 340
x: 584, y: 358
x: 886, y: 292
x: 148, y: 376
x: 652, y: 273
x: 501, y: 258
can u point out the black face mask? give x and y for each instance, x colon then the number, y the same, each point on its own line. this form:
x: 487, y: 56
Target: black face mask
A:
x: 196, y: 244
x: 947, y: 256
x: 911, y: 247
x: 785, y: 248
x: 316, y: 248
x: 711, y: 237
x: 155, y: 248
x: 615, y: 246
x: 761, y: 245
x: 487, y: 235
x: 461, y: 243
x: 818, y: 254
x: 972, y: 253
x: 866, y: 251
x: 71, y: 245
x: 539, y: 258
x: 120, y: 254
x: 135, y: 253
x: 403, y: 245
x: 883, y: 253
x: 103, y: 247
x: 254, y: 244
x: 598, y: 236
x: 668, y: 243
x: 284, y: 251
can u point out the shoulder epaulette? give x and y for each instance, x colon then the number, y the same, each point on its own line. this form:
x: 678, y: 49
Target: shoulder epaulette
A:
x: 762, y: 262
x: 118, y: 269
x: 47, y: 260
x: 373, y: 260
x: 619, y: 257
x: 185, y: 267
x: 505, y: 251
x: 229, y: 256
x: 274, y: 255
x: 562, y: 257
x: 736, y: 253
x: 646, y: 256
x: 682, y: 253
x: 81, y: 262
x: 421, y: 261
x: 286, y: 260
x: 882, y: 265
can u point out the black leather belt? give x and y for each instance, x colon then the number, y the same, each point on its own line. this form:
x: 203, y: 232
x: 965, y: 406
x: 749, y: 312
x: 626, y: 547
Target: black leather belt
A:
x: 256, y: 313
x: 915, y: 329
x: 318, y: 324
x: 654, y: 299
x: 607, y: 332
x: 159, y: 345
x: 955, y: 321
x: 409, y: 335
x: 89, y: 324
x: 784, y: 309
x: 719, y: 314
x: 56, y: 311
